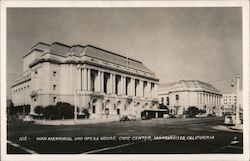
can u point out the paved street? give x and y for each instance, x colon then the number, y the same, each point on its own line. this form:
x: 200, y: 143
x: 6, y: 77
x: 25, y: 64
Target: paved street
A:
x: 162, y: 136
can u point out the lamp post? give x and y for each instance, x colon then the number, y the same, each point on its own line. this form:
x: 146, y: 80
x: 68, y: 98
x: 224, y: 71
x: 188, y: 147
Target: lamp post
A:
x: 75, y: 107
x: 236, y: 82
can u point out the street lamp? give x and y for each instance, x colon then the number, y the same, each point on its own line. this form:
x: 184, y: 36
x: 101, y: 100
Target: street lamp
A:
x: 236, y: 82
x: 75, y: 108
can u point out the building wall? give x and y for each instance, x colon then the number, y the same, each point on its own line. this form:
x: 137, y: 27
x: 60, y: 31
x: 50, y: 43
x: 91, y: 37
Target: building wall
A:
x: 229, y: 99
x: 200, y: 98
x: 52, y: 82
x: 30, y: 58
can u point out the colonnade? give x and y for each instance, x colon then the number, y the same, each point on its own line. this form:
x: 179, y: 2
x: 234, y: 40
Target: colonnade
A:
x: 209, y: 99
x: 113, y: 83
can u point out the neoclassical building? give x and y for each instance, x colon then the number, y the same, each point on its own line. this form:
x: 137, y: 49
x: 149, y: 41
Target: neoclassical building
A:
x: 180, y: 95
x: 103, y: 82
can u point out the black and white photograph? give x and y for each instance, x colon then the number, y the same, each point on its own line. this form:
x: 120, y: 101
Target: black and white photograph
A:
x: 125, y: 78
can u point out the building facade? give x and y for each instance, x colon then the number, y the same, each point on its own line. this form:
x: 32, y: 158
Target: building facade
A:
x: 180, y: 95
x: 230, y: 100
x: 100, y: 81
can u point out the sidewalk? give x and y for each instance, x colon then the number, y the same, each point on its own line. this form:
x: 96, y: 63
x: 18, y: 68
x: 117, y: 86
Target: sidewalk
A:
x: 72, y: 122
x: 228, y: 128
x: 237, y: 127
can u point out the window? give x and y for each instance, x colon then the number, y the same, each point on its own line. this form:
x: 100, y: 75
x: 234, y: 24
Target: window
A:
x: 54, y: 87
x: 177, y: 97
x: 36, y: 72
x: 54, y: 73
x: 54, y: 99
x: 118, y: 111
x: 167, y: 101
x: 93, y: 109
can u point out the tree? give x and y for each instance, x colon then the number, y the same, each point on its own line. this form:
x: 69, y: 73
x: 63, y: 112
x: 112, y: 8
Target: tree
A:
x: 50, y: 111
x: 39, y: 110
x: 65, y: 110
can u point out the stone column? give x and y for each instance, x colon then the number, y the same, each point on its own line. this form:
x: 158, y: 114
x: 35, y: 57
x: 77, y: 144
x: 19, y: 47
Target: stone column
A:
x: 141, y: 87
x: 109, y: 84
x: 121, y: 86
x: 79, y: 78
x: 102, y: 81
x: 124, y: 85
x: 98, y: 82
x: 132, y: 86
x: 89, y: 79
x: 156, y: 90
x: 152, y: 90
x: 202, y: 98
x: 113, y: 83
x: 149, y: 90
x: 84, y: 79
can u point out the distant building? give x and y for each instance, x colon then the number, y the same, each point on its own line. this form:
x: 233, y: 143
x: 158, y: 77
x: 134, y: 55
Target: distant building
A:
x: 180, y: 95
x: 230, y: 100
x: 100, y: 81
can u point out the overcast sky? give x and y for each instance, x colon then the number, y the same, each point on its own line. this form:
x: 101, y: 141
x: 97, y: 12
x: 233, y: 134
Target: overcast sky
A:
x: 176, y: 43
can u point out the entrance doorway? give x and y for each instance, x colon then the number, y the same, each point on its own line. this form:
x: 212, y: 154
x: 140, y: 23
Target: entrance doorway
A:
x: 118, y: 111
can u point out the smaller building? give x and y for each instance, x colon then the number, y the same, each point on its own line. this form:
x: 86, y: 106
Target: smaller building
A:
x: 228, y: 102
x: 180, y: 95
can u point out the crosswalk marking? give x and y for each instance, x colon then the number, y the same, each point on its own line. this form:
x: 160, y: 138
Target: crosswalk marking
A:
x: 22, y: 148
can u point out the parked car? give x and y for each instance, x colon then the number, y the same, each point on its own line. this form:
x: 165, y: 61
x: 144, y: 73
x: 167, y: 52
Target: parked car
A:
x: 189, y: 116
x: 229, y: 119
x: 28, y: 118
x: 166, y: 116
x: 132, y: 117
x: 210, y: 115
x: 146, y: 117
x: 200, y: 115
x: 128, y: 118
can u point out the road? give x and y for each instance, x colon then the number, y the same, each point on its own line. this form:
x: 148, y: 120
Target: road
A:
x: 158, y: 136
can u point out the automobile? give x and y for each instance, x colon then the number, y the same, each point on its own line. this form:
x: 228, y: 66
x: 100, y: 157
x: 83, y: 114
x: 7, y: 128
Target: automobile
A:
x: 210, y: 115
x: 132, y: 117
x: 229, y: 119
x: 128, y: 118
x: 172, y: 116
x: 189, y: 116
x: 166, y: 116
x: 146, y: 117
x: 28, y: 118
x: 200, y: 115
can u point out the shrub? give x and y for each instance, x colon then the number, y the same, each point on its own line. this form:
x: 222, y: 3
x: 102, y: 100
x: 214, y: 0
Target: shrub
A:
x: 49, y: 110
x: 86, y: 113
x: 65, y: 110
x: 39, y: 110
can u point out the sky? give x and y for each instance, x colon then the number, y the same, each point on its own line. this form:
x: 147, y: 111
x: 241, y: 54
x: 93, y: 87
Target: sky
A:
x: 176, y: 43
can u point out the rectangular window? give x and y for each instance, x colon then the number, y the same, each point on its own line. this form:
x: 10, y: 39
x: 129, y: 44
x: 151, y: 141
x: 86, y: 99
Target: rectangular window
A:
x: 54, y: 73
x: 54, y: 87
x: 54, y: 99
